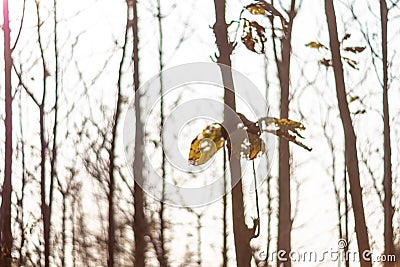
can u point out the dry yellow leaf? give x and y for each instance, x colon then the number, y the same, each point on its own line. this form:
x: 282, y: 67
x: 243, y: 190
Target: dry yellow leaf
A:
x: 289, y: 124
x: 206, y: 144
x: 256, y: 9
x: 316, y: 45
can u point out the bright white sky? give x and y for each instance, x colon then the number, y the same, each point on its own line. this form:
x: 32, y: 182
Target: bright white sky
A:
x: 102, y: 23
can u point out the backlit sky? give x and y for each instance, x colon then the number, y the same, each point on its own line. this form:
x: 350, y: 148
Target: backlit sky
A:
x: 100, y: 24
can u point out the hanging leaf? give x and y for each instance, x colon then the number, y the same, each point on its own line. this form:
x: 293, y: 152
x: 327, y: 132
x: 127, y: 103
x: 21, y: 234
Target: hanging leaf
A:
x: 246, y: 141
x: 326, y: 62
x: 254, y: 34
x: 292, y: 138
x: 249, y: 41
x: 256, y: 9
x: 316, y: 45
x: 245, y: 144
x: 284, y: 128
x: 257, y: 146
x: 361, y: 111
x: 353, y: 98
x: 263, y: 8
x: 259, y: 29
x: 355, y: 50
x: 289, y: 125
x: 249, y: 125
x: 351, y: 63
x: 206, y: 144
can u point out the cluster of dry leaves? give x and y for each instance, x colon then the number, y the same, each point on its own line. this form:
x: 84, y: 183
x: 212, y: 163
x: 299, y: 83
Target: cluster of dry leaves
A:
x: 253, y: 33
x: 246, y: 141
x: 345, y: 49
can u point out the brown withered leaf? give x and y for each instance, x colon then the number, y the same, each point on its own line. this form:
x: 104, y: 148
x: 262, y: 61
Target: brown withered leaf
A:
x: 243, y: 143
x: 259, y: 29
x: 263, y: 8
x: 249, y: 41
x: 292, y: 138
x: 254, y: 34
x: 352, y: 63
x: 257, y: 146
x: 353, y: 98
x: 355, y: 49
x: 358, y: 112
x: 246, y: 141
x: 326, y: 62
x: 284, y: 128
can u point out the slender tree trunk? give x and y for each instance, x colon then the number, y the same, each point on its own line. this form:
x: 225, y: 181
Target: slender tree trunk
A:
x: 110, y: 199
x: 6, y: 233
x: 225, y: 218
x: 21, y: 260
x: 44, y: 206
x: 242, y: 234
x: 64, y: 230
x: 163, y: 257
x: 346, y: 210
x: 387, y: 179
x: 53, y: 160
x: 349, y: 134
x: 112, y: 154
x: 139, y: 219
x: 269, y: 178
x: 73, y: 230
x: 198, y: 228
x: 43, y: 147
x: 284, y: 212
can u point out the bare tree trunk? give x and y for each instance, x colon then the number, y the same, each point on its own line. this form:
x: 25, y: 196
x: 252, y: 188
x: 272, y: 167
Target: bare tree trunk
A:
x: 349, y: 134
x: 53, y: 161
x: 284, y: 212
x: 44, y: 206
x: 6, y: 233
x: 43, y: 147
x: 163, y: 257
x: 73, y: 230
x: 242, y: 234
x: 139, y: 219
x: 63, y: 229
x: 225, y: 219
x: 198, y: 228
x: 82, y: 233
x: 110, y: 199
x: 387, y: 176
x: 112, y: 154
x: 21, y: 260
x: 269, y: 178
x: 346, y: 210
